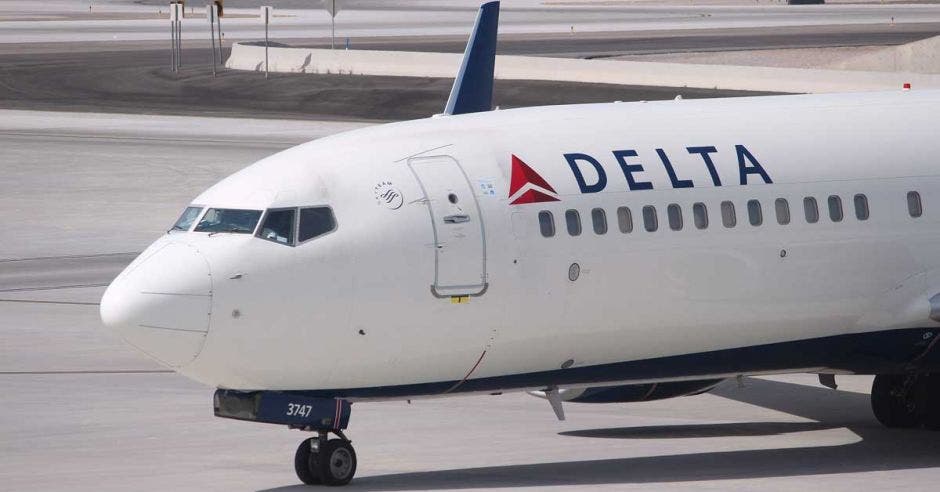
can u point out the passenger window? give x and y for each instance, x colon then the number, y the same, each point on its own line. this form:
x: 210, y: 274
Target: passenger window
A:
x: 700, y: 215
x: 546, y: 223
x: 278, y: 226
x: 835, y: 208
x: 782, y: 209
x: 573, y: 220
x: 599, y: 219
x: 914, y: 205
x: 810, y: 210
x: 650, y: 221
x: 754, y: 215
x: 674, y: 213
x: 625, y: 220
x: 314, y: 222
x: 728, y: 217
x: 186, y: 220
x: 861, y: 207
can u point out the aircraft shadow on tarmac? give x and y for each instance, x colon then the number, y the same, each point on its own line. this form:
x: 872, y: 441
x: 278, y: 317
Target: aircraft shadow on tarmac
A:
x: 879, y: 449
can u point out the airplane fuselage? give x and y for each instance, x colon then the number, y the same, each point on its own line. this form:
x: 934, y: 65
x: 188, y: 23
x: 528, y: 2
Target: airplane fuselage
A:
x: 439, y: 277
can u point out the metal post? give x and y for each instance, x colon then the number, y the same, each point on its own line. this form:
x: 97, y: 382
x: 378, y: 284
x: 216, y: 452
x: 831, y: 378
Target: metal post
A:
x: 218, y: 23
x: 210, y: 11
x: 179, y: 44
x: 172, y: 42
x: 266, y: 11
x: 332, y: 31
x: 265, y: 46
x: 175, y: 12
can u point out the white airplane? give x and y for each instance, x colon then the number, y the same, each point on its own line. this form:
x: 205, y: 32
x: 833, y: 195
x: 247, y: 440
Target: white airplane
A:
x: 590, y: 253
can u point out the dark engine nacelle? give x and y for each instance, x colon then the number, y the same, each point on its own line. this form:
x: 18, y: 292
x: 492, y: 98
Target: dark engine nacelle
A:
x: 636, y: 392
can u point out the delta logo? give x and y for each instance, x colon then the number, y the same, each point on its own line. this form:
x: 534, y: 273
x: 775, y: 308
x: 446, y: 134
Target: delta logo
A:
x: 527, y: 186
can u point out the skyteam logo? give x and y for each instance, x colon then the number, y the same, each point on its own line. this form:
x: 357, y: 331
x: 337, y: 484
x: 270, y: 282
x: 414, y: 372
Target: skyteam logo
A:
x: 526, y: 186
x: 388, y: 196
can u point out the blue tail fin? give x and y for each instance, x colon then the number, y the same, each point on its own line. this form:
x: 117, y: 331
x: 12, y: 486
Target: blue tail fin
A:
x: 473, y: 87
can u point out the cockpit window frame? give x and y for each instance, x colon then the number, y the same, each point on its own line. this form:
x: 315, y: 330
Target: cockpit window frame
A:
x: 295, y: 242
x: 202, y: 211
x: 209, y: 208
x: 295, y: 226
x: 332, y: 231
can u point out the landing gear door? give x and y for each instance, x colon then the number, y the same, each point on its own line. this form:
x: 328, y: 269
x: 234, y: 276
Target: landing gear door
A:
x: 459, y: 235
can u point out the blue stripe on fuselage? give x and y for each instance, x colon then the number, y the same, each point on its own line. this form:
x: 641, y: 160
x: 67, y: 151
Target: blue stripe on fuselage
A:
x: 883, y: 352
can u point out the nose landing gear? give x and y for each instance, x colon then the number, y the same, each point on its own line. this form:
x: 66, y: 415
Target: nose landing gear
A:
x: 318, y: 460
x: 321, y: 460
x: 907, y: 400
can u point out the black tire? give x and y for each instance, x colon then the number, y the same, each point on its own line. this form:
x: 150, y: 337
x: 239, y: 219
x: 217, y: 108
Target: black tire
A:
x: 891, y: 409
x: 337, y: 462
x: 306, y: 464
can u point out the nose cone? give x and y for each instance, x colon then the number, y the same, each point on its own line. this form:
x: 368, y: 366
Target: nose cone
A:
x: 161, y: 304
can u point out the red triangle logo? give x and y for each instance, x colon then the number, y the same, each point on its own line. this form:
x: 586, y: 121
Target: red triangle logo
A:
x: 523, y: 175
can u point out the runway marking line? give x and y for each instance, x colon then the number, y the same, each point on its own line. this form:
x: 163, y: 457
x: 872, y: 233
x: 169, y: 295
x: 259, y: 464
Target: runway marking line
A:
x: 269, y: 143
x: 54, y: 287
x: 67, y: 257
x: 116, y: 371
x: 37, y: 301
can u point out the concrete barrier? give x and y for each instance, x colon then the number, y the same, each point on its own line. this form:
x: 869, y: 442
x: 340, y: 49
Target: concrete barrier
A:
x: 247, y: 56
x: 919, y: 57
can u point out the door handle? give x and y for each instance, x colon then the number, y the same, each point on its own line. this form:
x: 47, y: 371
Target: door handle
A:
x: 456, y: 219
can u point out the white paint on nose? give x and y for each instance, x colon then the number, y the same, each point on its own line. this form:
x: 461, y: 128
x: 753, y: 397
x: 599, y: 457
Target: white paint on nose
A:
x: 162, y: 304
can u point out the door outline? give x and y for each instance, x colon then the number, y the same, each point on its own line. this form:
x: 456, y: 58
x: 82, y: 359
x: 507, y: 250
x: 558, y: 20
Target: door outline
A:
x: 483, y: 286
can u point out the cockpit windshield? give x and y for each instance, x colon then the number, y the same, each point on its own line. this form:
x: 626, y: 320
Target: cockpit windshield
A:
x: 281, y: 225
x: 229, y: 220
x: 186, y: 219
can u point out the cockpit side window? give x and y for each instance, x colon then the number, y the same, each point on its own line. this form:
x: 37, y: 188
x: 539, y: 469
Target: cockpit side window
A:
x: 315, y: 222
x: 278, y: 226
x: 187, y: 219
x: 229, y: 220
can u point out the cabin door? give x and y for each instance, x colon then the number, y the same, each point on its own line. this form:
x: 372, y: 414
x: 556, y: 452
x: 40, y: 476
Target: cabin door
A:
x: 459, y: 235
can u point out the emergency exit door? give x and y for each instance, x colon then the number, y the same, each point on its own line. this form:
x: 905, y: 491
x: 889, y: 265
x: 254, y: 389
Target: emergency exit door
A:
x: 459, y: 235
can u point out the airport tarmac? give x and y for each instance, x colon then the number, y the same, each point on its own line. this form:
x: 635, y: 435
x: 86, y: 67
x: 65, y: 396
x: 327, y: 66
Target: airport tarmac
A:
x: 22, y: 21
x: 141, y: 82
x: 651, y: 42
x: 579, y: 44
x: 82, y: 411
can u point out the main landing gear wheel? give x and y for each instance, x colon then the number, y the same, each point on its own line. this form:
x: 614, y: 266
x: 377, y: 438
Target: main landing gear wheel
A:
x: 320, y: 460
x: 305, y: 463
x: 892, y: 400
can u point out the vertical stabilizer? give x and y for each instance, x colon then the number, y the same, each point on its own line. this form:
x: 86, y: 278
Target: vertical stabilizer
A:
x: 473, y: 87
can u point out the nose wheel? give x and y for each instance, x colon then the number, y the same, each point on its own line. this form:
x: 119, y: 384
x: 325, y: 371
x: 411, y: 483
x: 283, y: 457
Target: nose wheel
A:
x: 905, y: 401
x: 324, y: 461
